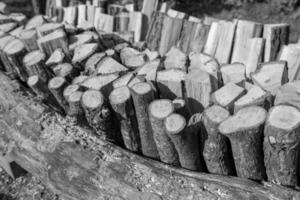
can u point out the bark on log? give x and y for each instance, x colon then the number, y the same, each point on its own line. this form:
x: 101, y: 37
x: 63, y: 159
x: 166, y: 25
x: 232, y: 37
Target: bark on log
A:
x: 216, y: 150
x: 184, y: 141
x: 56, y: 86
x: 158, y: 111
x: 65, y: 70
x: 9, y: 68
x: 29, y: 38
x: 103, y: 170
x: 122, y: 104
x: 142, y: 95
x: 75, y: 108
x: 154, y: 32
x: 281, y: 145
x: 244, y: 130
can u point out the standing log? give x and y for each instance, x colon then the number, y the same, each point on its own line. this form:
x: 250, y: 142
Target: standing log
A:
x: 48, y: 28
x: 104, y: 22
x: 184, y: 141
x: 34, y: 63
x: 276, y: 35
x: 213, y: 36
x: 49, y: 43
x: 281, y: 145
x: 121, y: 22
x: 142, y: 95
x: 255, y: 54
x: 15, y: 51
x: 136, y: 24
x: 122, y: 104
x: 158, y: 111
x: 39, y: 86
x: 29, y: 38
x: 153, y: 37
x: 75, y: 108
x: 216, y: 150
x: 288, y: 94
x: 175, y: 58
x: 70, y: 14
x: 234, y: 73
x: 9, y: 68
x: 56, y: 86
x: 244, y: 130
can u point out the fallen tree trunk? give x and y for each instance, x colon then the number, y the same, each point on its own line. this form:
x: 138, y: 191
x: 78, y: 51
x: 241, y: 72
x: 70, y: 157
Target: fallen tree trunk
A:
x: 43, y: 144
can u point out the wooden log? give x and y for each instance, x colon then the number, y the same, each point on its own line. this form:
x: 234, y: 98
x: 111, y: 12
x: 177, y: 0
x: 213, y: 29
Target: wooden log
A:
x: 5, y: 19
x: 136, y: 24
x: 213, y: 36
x: 271, y: 76
x: 38, y: 86
x: 142, y: 95
x: 216, y: 149
x: 77, y: 40
x: 181, y: 107
x: 244, y: 130
x: 98, y: 114
x: 281, y: 145
x: 288, y: 94
x: 152, y: 55
x: 35, y: 21
x: 234, y: 73
x: 109, y: 66
x: 290, y: 54
x: 245, y: 30
x: 170, y: 83
x: 175, y: 58
x: 29, y: 38
x: 199, y: 86
x: 90, y: 13
x: 149, y: 70
x: 70, y: 14
x: 80, y: 79
x: 3, y: 8
x: 8, y: 67
x: 225, y: 43
x: 75, y: 108
x: 255, y: 97
x: 153, y: 37
x: 17, y: 31
x: 91, y: 63
x: 255, y: 55
x: 132, y: 58
x: 15, y: 51
x: 20, y: 18
x: 123, y: 80
x: 8, y: 27
x: 81, y: 15
x: 49, y: 43
x: 205, y: 63
x: 54, y: 145
x: 104, y: 22
x: 170, y: 34
x: 56, y: 86
x: 34, y: 62
x: 184, y: 142
x: 121, y: 22
x: 158, y: 111
x: 70, y: 89
x: 176, y: 14
x: 57, y: 57
x: 122, y: 104
x: 276, y: 35
x: 83, y: 52
x: 48, y: 28
x: 115, y: 9
x: 227, y: 95
x: 139, y: 79
x: 65, y: 70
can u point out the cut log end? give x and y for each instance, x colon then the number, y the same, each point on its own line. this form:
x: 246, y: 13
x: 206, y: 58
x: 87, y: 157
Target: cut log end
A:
x: 14, y: 47
x: 244, y: 119
x: 174, y: 124
x: 75, y: 97
x: 92, y: 99
x: 33, y: 57
x: 119, y: 95
x: 32, y: 80
x: 161, y: 108
x: 284, y: 117
x: 70, y: 90
x: 216, y: 114
x: 56, y: 83
x: 141, y: 88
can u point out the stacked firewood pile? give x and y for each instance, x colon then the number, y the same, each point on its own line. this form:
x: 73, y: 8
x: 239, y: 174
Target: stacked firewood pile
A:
x: 203, y: 94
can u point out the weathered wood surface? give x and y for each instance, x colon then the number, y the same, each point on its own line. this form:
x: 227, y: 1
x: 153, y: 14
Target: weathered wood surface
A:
x: 43, y: 144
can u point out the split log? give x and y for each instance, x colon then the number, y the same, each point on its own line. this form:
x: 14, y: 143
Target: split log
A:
x: 17, y: 31
x: 5, y: 19
x: 244, y: 130
x: 8, y: 66
x: 276, y: 35
x: 216, y: 150
x: 81, y: 14
x: 104, y: 22
x: 80, y: 79
x: 83, y: 52
x: 234, y: 73
x: 142, y: 95
x: 153, y: 37
x: 109, y: 66
x: 65, y: 70
x: 132, y: 58
x: 152, y: 55
x: 213, y: 36
x: 121, y: 22
x: 98, y: 114
x: 170, y: 83
x: 184, y: 142
x: 175, y: 58
x: 123, y: 80
x: 35, y: 149
x: 48, y: 28
x: 148, y: 8
x: 288, y: 94
x: 113, y: 54
x: 70, y: 89
x: 3, y: 8
x: 115, y: 9
x: 149, y: 70
x: 49, y: 43
x: 57, y: 57
x: 8, y: 27
x: 245, y: 30
x: 75, y: 108
x: 281, y: 145
x: 56, y: 86
x: 15, y: 51
x: 139, y: 79
x: 176, y: 14
x: 170, y: 34
x: 227, y: 95
x: 78, y: 40
x: 70, y: 14
x: 34, y: 22
x: 291, y: 54
x: 255, y: 97
x: 271, y: 76
x: 225, y: 43
x: 158, y: 111
x: 136, y: 24
x: 91, y: 63
x: 255, y: 55
x: 199, y: 86
x: 34, y: 62
x: 90, y: 13
x: 20, y: 18
x: 122, y: 104
x: 29, y: 38
x: 181, y: 107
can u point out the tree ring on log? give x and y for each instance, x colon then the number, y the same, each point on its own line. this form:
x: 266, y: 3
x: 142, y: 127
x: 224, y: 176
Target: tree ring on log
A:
x: 175, y: 123
x: 119, y: 95
x: 161, y: 108
x: 92, y: 99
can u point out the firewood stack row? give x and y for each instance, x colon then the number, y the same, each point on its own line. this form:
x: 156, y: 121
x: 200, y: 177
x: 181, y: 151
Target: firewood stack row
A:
x: 203, y: 94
